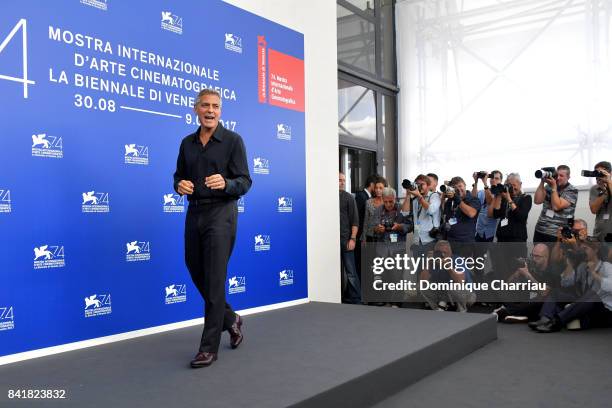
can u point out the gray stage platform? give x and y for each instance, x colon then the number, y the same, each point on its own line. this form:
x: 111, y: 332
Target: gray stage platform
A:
x: 317, y: 354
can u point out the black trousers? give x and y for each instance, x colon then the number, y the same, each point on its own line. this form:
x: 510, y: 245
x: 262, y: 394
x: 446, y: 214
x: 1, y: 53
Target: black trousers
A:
x: 210, y: 232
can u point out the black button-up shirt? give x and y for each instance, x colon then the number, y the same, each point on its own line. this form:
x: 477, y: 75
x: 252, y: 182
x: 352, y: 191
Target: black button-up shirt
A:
x: 224, y: 154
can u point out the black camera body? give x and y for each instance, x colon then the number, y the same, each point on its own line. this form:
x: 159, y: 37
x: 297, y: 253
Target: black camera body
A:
x: 591, y: 173
x: 566, y: 231
x: 546, y: 172
x: 502, y: 188
x: 387, y: 223
x: 407, y: 185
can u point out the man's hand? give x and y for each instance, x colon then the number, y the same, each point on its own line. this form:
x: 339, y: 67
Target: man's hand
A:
x: 416, y: 193
x: 185, y: 187
x: 379, y: 229
x: 350, y: 245
x: 523, y: 271
x: 215, y: 182
x: 397, y: 227
x: 551, y: 182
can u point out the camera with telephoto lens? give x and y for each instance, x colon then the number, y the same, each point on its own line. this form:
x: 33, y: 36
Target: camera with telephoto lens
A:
x: 592, y: 173
x: 447, y: 189
x: 407, y: 185
x: 502, y: 188
x: 546, y: 172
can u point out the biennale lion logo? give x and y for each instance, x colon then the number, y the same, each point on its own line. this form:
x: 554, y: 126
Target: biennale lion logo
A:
x: 259, y: 240
x: 89, y: 197
x: 229, y: 39
x: 42, y: 251
x: 40, y: 139
x: 233, y: 282
x: 282, y: 202
x: 131, y: 150
x: 166, y: 17
x: 283, y: 275
x: 258, y: 162
x: 133, y: 247
x: 169, y: 199
x: 171, y: 291
x: 92, y: 301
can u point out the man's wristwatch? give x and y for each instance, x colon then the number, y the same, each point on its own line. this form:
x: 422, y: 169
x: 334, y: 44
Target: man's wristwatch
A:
x: 351, y: 238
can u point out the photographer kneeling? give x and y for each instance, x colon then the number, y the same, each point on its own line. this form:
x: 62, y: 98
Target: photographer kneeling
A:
x: 441, y: 267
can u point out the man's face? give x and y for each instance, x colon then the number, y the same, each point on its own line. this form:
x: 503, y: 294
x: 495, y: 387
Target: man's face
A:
x: 540, y: 257
x: 342, y: 181
x: 580, y: 230
x: 516, y: 185
x: 389, y: 203
x: 444, y: 249
x: 378, y: 189
x: 562, y: 177
x: 422, y: 186
x: 497, y: 179
x: 460, y: 188
x: 208, y: 110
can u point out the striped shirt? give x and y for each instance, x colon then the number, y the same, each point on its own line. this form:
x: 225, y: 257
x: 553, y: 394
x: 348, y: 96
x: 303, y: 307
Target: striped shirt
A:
x: 550, y: 220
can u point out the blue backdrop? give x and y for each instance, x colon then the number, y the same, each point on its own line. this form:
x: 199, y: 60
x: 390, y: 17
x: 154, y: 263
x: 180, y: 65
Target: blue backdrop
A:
x: 95, y: 98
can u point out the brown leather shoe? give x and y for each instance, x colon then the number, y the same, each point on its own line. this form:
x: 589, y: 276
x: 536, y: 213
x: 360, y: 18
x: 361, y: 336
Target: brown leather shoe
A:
x: 235, y: 333
x: 203, y: 359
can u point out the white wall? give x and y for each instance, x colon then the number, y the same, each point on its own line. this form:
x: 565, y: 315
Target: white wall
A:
x: 316, y: 19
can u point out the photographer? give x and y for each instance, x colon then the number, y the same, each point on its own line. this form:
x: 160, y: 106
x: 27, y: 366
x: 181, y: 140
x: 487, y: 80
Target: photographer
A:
x: 537, y: 268
x: 567, y: 239
x: 460, y: 211
x: 559, y: 198
x: 591, y: 281
x: 391, y: 225
x: 600, y: 201
x: 425, y: 207
x: 511, y: 207
x: 442, y: 272
x: 486, y: 224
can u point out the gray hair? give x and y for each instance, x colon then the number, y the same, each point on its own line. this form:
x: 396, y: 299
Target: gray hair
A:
x: 581, y: 221
x: 514, y: 175
x: 388, y: 192
x: 207, y: 91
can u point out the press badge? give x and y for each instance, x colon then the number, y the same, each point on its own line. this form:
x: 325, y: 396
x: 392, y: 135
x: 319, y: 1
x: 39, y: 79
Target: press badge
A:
x: 550, y: 213
x: 503, y: 222
x: 452, y: 221
x: 393, y: 237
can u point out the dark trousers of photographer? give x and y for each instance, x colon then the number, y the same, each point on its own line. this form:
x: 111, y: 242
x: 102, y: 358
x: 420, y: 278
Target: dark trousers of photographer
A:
x: 588, y: 308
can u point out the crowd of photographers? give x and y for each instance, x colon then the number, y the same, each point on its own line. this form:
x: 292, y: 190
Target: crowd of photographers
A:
x: 490, y: 220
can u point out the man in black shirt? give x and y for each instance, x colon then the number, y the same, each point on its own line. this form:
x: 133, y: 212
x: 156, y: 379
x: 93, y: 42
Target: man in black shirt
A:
x: 460, y: 215
x: 212, y: 171
x: 349, y: 223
